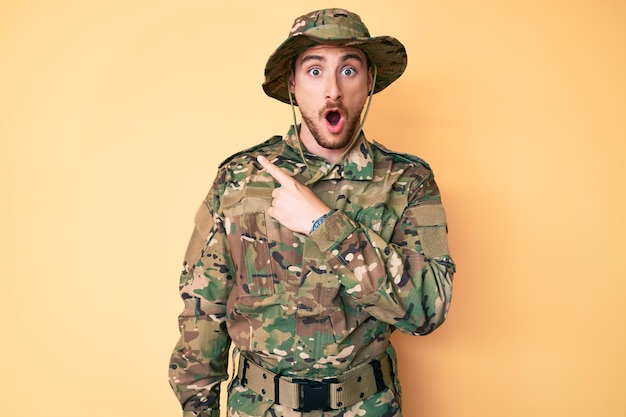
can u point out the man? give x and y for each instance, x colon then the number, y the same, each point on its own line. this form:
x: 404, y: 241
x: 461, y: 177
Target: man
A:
x: 309, y: 250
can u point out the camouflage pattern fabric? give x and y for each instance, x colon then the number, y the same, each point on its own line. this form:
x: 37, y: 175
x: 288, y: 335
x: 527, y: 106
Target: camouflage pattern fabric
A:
x: 310, y: 306
x: 336, y: 27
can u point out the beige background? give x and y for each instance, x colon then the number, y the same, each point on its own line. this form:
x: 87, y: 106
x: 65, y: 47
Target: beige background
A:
x: 114, y: 115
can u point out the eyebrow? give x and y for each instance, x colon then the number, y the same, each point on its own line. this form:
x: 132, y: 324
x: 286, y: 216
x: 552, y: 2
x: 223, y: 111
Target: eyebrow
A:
x: 320, y: 58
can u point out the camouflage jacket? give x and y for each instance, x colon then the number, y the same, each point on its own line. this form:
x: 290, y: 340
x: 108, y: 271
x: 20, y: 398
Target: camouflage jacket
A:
x: 309, y: 306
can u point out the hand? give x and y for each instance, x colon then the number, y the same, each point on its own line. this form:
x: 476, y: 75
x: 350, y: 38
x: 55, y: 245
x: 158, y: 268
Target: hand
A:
x: 294, y: 206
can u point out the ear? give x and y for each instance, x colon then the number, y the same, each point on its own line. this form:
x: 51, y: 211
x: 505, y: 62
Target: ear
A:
x: 292, y: 82
x: 370, y: 80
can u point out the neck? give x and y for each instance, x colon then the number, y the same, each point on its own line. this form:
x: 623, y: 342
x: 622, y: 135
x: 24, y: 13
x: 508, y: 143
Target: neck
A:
x: 311, y: 145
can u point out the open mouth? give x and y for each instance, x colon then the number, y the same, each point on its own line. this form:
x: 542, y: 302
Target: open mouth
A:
x: 333, y: 117
x: 334, y: 120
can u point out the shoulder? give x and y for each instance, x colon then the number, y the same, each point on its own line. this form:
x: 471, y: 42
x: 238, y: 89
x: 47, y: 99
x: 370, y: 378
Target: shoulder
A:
x: 253, y: 150
x: 416, y: 173
x: 236, y: 170
x: 399, y: 157
x: 412, y: 170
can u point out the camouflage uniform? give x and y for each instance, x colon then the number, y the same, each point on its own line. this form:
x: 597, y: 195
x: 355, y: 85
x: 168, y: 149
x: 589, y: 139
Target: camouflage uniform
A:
x: 309, y: 306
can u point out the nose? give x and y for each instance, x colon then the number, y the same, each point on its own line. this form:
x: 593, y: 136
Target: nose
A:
x: 333, y: 88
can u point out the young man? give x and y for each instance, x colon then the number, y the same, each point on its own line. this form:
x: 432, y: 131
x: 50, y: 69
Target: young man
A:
x: 309, y: 250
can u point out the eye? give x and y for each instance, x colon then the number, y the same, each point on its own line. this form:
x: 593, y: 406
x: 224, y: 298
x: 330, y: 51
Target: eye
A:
x: 315, y: 72
x: 348, y: 71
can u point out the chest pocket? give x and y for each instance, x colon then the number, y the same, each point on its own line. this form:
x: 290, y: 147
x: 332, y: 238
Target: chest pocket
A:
x: 246, y: 228
x: 249, y: 245
x: 378, y: 212
x: 264, y: 254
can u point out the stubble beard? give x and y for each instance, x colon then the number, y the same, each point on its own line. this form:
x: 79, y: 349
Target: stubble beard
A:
x: 332, y: 141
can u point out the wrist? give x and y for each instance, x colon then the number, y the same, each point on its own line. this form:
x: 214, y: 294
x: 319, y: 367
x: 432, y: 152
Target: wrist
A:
x: 318, y: 222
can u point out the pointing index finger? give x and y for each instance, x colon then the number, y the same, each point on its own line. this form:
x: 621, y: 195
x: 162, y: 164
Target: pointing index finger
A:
x: 278, y: 174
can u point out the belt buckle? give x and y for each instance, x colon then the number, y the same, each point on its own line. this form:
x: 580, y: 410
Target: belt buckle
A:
x: 314, y: 394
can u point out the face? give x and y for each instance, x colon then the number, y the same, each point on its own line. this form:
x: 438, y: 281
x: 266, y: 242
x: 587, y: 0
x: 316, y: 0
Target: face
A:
x: 331, y: 85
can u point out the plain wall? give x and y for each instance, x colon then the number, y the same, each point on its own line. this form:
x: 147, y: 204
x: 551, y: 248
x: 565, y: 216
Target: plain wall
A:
x: 115, y: 114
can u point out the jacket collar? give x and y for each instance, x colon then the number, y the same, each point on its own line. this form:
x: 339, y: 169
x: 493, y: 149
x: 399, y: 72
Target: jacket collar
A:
x: 357, y: 165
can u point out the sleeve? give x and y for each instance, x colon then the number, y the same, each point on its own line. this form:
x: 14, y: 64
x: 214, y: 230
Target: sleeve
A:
x: 199, y: 361
x: 406, y: 282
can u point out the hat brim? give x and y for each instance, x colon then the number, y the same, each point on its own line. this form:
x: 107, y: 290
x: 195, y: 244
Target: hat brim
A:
x: 386, y: 52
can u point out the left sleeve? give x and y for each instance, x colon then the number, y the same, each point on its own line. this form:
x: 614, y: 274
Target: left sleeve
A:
x: 406, y: 282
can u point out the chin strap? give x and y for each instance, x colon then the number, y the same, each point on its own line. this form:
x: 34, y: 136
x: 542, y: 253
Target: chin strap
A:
x: 321, y: 174
x: 295, y: 124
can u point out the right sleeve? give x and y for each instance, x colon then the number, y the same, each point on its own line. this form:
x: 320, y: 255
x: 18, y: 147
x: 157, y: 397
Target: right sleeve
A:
x: 199, y: 361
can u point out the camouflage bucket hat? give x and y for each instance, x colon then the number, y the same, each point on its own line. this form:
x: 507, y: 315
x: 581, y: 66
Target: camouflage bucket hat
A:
x: 336, y: 27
